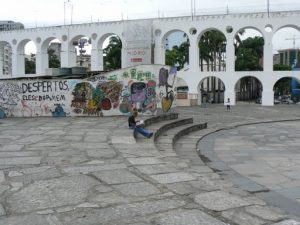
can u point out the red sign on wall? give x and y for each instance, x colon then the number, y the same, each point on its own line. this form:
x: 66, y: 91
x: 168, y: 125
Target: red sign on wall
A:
x: 136, y: 60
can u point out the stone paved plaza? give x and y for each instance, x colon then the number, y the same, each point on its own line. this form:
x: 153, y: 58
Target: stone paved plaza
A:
x: 91, y: 171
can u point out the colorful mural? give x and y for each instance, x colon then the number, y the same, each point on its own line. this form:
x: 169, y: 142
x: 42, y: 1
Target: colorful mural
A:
x: 149, y: 88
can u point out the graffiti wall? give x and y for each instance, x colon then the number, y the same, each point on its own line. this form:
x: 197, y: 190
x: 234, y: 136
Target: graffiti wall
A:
x: 149, y: 88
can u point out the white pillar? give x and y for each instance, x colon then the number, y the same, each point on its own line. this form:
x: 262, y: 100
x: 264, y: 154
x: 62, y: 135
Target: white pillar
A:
x: 267, y: 98
x: 268, y: 53
x: 38, y: 63
x: 231, y: 95
x: 159, y: 53
x: 194, y: 57
x: 19, y: 59
x: 67, y: 55
x: 199, y: 98
x: 230, y: 55
x: 1, y: 60
x: 96, y: 59
x: 14, y: 62
x: 41, y: 61
x: 124, y: 57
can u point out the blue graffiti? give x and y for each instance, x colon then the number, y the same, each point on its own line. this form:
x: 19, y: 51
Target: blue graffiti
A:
x: 59, y: 111
x: 2, y: 113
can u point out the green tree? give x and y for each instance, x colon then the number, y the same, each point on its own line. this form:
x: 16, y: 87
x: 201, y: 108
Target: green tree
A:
x: 112, y: 54
x: 53, y: 59
x: 212, y: 49
x: 171, y: 57
x: 30, y: 64
x: 278, y: 67
x: 248, y: 54
x: 178, y: 55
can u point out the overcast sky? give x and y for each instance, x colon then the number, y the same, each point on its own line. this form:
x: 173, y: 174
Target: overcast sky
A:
x: 38, y: 13
x: 51, y: 12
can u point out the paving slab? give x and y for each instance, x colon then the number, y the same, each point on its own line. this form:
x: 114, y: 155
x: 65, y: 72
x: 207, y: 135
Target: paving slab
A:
x: 265, y: 212
x: 105, y: 215
x: 144, y: 161
x: 20, y: 161
x: 242, y: 218
x: 117, y: 176
x: 187, y: 217
x: 28, y: 220
x: 92, y: 168
x: 220, y: 201
x: 137, y: 189
x: 51, y: 193
x: 287, y: 222
x: 168, y: 178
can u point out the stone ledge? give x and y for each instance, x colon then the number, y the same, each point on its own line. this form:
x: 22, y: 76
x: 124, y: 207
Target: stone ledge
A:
x: 157, y: 119
x: 188, y: 130
x: 171, y: 125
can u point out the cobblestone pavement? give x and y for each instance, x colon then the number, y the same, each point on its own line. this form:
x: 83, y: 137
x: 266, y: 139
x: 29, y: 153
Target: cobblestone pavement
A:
x: 91, y: 171
x: 268, y: 154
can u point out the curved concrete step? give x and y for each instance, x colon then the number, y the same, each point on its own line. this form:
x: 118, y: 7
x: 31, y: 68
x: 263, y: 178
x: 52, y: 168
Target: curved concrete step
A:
x: 159, y: 128
x: 168, y: 139
x: 157, y: 119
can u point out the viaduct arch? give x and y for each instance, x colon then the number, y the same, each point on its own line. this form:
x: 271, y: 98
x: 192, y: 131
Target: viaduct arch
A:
x: 229, y: 25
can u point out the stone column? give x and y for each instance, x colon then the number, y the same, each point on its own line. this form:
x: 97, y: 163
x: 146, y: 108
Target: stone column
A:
x: 1, y: 60
x: 38, y: 62
x: 67, y: 55
x: 267, y: 98
x: 96, y: 59
x: 41, y: 61
x: 230, y: 55
x: 159, y: 53
x: 194, y: 56
x: 199, y: 102
x: 268, y: 53
x: 18, y: 61
x: 124, y: 57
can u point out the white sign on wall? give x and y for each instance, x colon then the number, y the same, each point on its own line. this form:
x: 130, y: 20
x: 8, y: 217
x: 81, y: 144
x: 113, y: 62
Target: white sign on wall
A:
x: 137, y: 43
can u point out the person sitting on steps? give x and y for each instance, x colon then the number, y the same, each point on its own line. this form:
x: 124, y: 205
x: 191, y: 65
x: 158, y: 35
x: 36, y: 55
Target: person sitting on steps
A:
x: 132, y: 123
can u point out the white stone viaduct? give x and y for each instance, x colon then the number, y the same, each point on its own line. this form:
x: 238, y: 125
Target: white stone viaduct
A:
x: 266, y: 24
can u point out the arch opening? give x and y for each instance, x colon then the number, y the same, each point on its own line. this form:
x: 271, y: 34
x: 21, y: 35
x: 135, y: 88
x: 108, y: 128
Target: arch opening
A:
x: 112, y: 52
x: 286, y: 90
x: 249, y: 50
x: 81, y: 54
x: 286, y: 44
x: 53, y: 49
x: 177, y: 44
x: 212, y: 90
x: 248, y: 89
x: 29, y: 58
x: 212, y: 51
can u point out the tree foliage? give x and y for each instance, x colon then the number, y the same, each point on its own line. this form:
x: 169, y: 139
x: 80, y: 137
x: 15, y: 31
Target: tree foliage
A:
x: 112, y: 54
x: 212, y: 47
x: 278, y: 67
x: 30, y: 64
x: 54, y: 61
x: 248, y: 54
x: 178, y: 55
